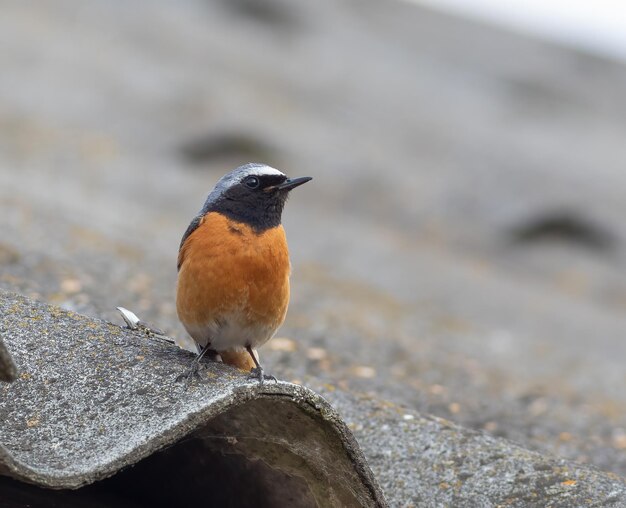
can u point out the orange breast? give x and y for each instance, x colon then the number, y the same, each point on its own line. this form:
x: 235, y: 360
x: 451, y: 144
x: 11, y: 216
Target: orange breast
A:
x: 226, y: 268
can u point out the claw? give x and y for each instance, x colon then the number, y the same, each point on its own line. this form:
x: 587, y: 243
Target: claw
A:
x: 189, y: 374
x: 192, y: 372
x: 257, y: 373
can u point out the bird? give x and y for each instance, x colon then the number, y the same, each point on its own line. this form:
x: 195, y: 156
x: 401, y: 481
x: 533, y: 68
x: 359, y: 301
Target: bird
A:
x: 232, y: 291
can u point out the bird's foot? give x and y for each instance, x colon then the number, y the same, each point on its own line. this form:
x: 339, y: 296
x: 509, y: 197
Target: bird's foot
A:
x: 190, y: 373
x: 257, y: 373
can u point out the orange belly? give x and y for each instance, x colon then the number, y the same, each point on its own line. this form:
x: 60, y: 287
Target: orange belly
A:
x: 233, y: 284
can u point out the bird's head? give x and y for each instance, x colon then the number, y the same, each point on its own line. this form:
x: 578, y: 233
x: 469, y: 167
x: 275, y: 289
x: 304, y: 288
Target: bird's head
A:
x: 254, y: 194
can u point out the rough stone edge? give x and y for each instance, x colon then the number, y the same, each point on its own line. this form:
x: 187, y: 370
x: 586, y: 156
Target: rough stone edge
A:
x: 305, y: 399
x: 8, y: 369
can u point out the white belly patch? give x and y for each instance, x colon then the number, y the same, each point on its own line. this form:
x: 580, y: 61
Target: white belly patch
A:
x: 229, y: 332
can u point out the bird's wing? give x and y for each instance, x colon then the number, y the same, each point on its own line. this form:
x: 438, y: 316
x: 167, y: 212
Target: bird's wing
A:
x: 195, y: 223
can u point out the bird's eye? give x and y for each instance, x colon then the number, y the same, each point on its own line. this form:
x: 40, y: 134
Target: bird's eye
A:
x: 252, y: 182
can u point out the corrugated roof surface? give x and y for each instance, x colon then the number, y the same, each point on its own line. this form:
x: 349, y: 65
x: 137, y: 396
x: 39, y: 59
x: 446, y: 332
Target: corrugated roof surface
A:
x: 94, y: 398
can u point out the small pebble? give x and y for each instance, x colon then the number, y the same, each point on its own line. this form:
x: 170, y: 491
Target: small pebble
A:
x: 282, y: 344
x: 436, y: 389
x: 316, y: 353
x: 619, y: 439
x: 363, y: 371
x: 71, y: 286
x: 454, y: 408
x: 538, y: 406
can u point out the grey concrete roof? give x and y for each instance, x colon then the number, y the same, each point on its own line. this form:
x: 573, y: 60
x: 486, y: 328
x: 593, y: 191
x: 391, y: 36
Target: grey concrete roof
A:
x: 93, y: 399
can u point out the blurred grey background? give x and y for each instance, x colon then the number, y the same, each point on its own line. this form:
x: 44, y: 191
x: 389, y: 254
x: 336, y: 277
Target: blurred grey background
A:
x: 461, y: 250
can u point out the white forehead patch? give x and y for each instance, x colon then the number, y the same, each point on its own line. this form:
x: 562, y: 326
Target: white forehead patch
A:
x: 261, y: 170
x: 252, y: 169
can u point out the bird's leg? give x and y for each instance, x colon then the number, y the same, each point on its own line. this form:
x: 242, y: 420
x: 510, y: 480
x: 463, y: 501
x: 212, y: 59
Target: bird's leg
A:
x: 257, y: 372
x: 195, y: 365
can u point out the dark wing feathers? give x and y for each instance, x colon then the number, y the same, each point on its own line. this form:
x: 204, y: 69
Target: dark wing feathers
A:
x: 199, y: 219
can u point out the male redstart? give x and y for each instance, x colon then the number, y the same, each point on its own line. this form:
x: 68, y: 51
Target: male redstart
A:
x: 233, y: 267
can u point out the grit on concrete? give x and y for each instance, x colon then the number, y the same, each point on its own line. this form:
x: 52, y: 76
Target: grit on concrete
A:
x: 460, y: 251
x: 94, y: 398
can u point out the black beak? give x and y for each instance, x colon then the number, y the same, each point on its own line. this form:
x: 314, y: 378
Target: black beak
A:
x: 292, y: 183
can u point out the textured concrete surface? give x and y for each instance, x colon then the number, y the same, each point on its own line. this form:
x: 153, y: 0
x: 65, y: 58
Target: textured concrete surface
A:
x: 460, y: 251
x: 93, y: 399
x: 429, y: 461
